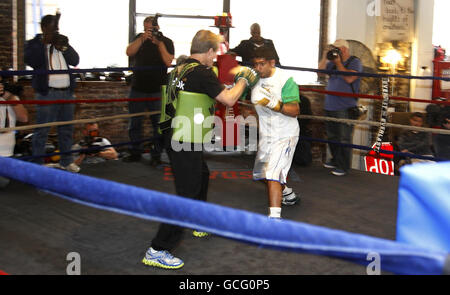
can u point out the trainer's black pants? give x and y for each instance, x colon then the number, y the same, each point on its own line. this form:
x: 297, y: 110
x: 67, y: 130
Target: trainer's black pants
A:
x: 191, y: 176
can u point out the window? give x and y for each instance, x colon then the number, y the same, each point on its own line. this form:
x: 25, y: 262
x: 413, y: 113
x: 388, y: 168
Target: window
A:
x: 440, y: 31
x: 294, y: 27
x: 180, y: 30
x: 98, y: 29
x: 97, y: 32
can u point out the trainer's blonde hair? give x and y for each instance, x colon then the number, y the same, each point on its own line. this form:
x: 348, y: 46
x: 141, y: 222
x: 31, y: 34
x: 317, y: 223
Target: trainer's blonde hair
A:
x: 205, y: 40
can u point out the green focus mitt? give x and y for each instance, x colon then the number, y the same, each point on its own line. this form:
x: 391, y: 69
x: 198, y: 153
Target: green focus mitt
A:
x: 250, y: 76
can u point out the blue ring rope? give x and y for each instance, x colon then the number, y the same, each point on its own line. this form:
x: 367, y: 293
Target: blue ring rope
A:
x: 143, y: 68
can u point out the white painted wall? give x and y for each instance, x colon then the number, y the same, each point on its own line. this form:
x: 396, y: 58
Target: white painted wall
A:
x: 353, y: 23
x: 423, y: 52
x: 351, y: 20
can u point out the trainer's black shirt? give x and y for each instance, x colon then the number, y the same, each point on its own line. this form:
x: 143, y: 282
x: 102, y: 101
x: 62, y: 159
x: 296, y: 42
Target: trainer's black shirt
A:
x: 202, y: 79
x: 148, y: 55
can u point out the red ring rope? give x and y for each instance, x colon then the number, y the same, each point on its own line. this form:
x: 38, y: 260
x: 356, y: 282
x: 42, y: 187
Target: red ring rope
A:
x: 345, y: 94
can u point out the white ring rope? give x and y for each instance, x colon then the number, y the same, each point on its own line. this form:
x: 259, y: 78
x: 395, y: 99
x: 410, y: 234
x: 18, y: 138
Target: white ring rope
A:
x: 79, y: 121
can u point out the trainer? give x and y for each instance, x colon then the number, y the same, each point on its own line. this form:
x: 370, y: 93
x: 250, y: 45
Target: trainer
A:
x: 193, y: 85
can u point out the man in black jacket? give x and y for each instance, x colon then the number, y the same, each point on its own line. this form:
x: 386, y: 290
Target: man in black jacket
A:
x: 51, y: 51
x: 246, y: 48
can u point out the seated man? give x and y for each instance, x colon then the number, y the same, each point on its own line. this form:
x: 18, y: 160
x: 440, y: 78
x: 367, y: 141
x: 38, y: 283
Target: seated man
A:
x: 415, y: 142
x: 441, y: 142
x: 92, y: 139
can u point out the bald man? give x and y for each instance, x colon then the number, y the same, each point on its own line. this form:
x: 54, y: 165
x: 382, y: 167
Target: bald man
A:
x: 246, y: 48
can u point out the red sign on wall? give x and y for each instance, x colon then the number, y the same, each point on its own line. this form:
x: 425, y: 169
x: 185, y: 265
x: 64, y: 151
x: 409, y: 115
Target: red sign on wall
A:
x: 380, y: 163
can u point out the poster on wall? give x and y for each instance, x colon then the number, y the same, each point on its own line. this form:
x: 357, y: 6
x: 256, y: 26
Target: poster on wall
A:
x: 395, y: 22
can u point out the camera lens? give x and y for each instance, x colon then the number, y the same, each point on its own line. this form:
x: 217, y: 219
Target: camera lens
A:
x: 333, y: 53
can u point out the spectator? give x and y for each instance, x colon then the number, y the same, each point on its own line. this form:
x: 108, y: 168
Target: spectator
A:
x: 149, y: 49
x: 338, y: 106
x: 51, y: 51
x: 303, y: 154
x: 92, y: 139
x: 415, y: 142
x: 441, y: 142
x: 246, y: 48
x: 9, y: 114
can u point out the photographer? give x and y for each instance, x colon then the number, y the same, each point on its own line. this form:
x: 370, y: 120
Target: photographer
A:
x: 9, y: 114
x: 149, y: 49
x: 92, y: 139
x: 337, y: 57
x: 51, y: 51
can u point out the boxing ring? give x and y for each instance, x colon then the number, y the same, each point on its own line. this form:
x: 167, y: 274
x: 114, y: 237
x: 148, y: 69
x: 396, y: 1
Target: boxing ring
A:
x: 420, y: 245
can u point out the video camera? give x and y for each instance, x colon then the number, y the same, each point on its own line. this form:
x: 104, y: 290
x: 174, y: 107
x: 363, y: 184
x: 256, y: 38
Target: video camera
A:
x: 334, y: 53
x: 155, y: 32
x: 89, y: 143
x: 59, y: 41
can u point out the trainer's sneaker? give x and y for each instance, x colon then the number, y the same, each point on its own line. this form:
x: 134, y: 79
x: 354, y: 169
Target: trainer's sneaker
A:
x: 72, y: 167
x: 338, y: 172
x: 329, y: 165
x: 162, y: 259
x: 199, y: 234
x: 289, y: 197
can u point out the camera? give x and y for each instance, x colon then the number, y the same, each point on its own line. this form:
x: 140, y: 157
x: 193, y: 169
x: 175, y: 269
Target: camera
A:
x: 155, y: 32
x: 59, y: 41
x: 333, y: 53
x: 91, y: 144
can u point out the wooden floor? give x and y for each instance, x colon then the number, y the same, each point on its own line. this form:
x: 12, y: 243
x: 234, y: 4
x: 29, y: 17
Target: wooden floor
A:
x: 38, y: 230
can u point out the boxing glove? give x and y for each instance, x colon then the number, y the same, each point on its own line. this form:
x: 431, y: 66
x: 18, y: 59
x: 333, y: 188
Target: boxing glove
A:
x: 248, y: 74
x: 264, y: 98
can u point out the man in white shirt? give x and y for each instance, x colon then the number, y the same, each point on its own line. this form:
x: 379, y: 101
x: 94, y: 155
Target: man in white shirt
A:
x: 9, y: 114
x: 51, y: 51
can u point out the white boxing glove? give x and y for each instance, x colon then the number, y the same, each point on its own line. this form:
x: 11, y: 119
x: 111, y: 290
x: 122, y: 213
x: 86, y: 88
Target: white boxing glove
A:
x: 263, y: 97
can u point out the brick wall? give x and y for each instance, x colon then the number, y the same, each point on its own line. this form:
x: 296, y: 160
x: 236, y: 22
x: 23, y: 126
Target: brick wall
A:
x: 7, y: 52
x: 114, y: 130
x: 6, y: 45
